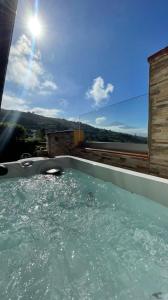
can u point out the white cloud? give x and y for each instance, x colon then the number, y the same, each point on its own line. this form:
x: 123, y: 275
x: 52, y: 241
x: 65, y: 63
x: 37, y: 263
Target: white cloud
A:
x: 46, y: 112
x: 98, y: 92
x: 13, y: 103
x: 25, y: 68
x: 49, y: 85
x: 129, y: 130
x: 23, y: 47
x: 124, y: 128
x: 73, y: 119
x: 100, y: 120
x: 116, y: 126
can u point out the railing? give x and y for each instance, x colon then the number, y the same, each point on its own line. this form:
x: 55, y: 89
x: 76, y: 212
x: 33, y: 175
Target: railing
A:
x: 123, y: 122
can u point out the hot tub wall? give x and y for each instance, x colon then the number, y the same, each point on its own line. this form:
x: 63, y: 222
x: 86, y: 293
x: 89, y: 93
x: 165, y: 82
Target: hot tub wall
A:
x: 149, y: 186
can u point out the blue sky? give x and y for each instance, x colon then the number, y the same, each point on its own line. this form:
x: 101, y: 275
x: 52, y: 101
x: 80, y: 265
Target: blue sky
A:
x: 91, y: 53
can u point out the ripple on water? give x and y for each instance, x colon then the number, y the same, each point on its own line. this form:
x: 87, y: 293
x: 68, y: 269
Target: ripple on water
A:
x: 77, y: 237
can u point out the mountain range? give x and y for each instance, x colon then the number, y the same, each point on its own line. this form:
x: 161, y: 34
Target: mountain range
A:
x: 33, y: 121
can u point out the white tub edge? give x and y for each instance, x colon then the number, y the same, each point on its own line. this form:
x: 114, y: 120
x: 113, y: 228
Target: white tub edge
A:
x: 150, y: 186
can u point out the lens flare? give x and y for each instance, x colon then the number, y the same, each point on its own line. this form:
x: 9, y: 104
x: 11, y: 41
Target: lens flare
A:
x: 34, y: 26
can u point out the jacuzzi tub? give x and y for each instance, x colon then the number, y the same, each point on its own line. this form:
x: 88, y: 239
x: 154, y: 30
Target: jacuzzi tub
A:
x: 149, y: 186
x: 91, y: 233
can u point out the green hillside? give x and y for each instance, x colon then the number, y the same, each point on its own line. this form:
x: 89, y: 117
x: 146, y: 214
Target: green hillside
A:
x: 33, y: 121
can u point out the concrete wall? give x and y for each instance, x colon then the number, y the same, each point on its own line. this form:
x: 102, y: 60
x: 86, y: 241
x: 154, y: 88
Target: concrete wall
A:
x: 158, y: 113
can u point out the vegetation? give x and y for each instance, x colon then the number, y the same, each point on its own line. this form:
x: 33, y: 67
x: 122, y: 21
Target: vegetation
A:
x: 12, y: 131
x: 104, y: 135
x: 32, y: 121
x: 40, y: 134
x: 25, y: 133
x: 13, y: 142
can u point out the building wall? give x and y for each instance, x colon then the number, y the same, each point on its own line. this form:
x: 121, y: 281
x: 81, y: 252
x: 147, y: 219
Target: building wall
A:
x: 59, y: 143
x: 158, y: 113
x: 62, y: 142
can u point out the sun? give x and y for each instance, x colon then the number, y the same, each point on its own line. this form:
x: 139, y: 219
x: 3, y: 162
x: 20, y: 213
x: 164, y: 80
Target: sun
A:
x: 34, y: 26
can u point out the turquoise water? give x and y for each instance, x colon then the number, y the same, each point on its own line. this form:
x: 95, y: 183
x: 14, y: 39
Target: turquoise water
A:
x: 77, y: 237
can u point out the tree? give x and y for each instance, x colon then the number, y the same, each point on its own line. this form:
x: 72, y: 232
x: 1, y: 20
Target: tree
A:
x: 11, y: 141
x: 40, y: 134
x: 12, y: 131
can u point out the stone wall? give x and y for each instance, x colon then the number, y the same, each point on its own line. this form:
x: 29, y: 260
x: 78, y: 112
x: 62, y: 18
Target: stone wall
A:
x: 63, y: 142
x: 60, y: 143
x: 158, y: 113
x: 136, y: 162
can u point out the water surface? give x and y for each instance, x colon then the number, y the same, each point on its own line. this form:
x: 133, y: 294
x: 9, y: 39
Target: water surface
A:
x: 77, y: 237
